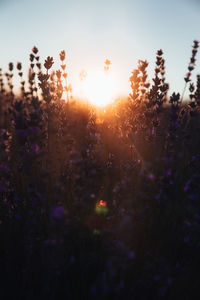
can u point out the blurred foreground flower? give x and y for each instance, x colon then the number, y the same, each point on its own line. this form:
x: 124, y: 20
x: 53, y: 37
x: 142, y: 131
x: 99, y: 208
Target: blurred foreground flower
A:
x: 101, y: 207
x: 58, y: 212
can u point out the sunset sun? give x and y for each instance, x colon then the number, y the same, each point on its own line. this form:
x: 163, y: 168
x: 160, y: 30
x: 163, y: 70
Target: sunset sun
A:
x: 99, y: 88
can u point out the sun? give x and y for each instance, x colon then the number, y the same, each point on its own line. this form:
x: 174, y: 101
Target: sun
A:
x: 99, y: 88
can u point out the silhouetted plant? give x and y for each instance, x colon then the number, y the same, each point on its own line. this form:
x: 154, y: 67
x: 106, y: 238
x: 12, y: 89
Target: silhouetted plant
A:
x: 98, y: 204
x: 191, y: 65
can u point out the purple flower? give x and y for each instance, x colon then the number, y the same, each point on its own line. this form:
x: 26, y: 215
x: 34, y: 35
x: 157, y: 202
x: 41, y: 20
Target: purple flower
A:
x: 34, y: 130
x: 157, y: 197
x: 131, y: 254
x: 187, y: 223
x: 116, y: 189
x: 5, y: 167
x: 169, y: 172
x: 192, y: 196
x: 151, y: 176
x: 120, y: 286
x: 119, y: 244
x: 72, y: 259
x: 35, y: 149
x: 186, y: 187
x: 22, y: 132
x: 4, y: 186
x: 58, y: 212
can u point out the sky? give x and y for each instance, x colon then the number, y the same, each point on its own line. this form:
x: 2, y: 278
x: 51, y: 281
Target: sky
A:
x: 91, y: 31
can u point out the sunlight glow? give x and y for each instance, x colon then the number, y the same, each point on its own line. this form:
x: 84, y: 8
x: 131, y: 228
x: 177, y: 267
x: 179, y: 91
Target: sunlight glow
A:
x: 99, y: 88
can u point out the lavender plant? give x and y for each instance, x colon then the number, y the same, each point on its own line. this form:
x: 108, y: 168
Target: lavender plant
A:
x: 98, y: 205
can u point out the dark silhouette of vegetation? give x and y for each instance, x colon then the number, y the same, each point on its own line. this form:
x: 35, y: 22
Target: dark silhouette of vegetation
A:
x: 93, y: 204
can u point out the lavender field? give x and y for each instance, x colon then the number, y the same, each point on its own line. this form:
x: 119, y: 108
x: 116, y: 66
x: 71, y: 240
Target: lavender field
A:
x: 99, y: 203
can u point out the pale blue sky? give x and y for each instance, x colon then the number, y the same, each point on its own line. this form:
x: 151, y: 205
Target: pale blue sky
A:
x: 91, y: 31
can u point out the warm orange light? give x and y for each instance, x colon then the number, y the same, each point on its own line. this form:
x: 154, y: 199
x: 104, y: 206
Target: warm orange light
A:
x: 99, y: 88
x: 102, y: 203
